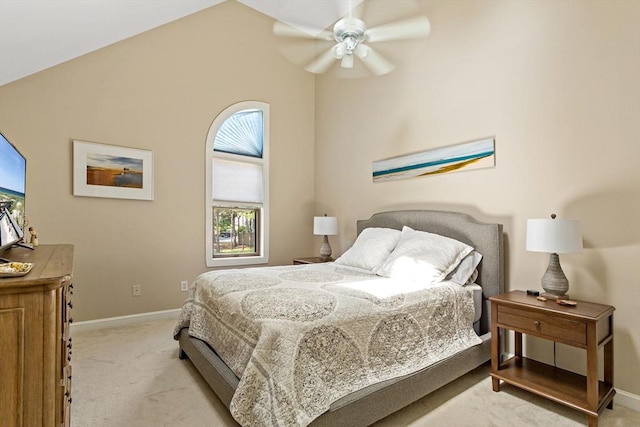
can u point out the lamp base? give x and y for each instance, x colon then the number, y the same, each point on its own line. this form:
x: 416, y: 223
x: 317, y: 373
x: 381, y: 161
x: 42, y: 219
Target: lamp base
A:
x: 554, y: 282
x: 554, y: 297
x: 325, y: 249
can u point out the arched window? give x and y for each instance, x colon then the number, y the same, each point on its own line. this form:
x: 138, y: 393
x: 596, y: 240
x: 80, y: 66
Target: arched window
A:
x: 237, y: 187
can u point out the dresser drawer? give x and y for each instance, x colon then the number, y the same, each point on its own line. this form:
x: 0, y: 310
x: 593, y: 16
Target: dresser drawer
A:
x: 66, y: 404
x: 543, y: 325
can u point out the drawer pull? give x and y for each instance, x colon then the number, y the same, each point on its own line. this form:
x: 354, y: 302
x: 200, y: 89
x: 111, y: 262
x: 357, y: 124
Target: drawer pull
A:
x: 536, y: 323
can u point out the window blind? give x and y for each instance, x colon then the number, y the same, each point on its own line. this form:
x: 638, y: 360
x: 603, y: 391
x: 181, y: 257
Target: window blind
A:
x: 242, y: 133
x: 237, y: 181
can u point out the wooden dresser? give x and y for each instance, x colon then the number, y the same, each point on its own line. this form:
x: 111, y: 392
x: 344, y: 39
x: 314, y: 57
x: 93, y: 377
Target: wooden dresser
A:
x: 35, y: 371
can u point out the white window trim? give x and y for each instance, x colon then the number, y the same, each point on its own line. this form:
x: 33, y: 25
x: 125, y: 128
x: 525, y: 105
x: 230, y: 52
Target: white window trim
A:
x: 263, y: 258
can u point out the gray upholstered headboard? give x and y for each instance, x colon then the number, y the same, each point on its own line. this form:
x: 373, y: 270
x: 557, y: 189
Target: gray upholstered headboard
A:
x: 486, y: 238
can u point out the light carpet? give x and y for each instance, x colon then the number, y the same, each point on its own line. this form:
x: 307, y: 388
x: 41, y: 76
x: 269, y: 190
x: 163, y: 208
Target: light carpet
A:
x: 131, y: 376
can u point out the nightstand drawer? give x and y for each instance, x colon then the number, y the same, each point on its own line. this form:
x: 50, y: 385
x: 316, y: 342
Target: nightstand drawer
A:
x: 542, y: 325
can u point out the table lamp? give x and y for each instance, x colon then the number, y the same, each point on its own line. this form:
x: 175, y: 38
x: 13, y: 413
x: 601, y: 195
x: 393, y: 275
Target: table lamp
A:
x: 325, y: 226
x: 554, y: 236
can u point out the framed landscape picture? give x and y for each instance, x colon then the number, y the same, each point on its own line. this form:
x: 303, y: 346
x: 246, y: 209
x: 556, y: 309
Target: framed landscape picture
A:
x: 101, y: 170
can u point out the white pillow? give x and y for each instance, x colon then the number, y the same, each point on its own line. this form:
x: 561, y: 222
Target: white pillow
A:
x: 464, y: 272
x: 423, y: 256
x: 371, y: 248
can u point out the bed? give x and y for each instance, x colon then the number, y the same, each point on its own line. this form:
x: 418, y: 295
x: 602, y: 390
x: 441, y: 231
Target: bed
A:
x: 371, y: 394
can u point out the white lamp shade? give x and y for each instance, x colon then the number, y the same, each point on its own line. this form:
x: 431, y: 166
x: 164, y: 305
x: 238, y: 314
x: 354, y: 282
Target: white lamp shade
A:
x: 325, y: 225
x: 555, y: 236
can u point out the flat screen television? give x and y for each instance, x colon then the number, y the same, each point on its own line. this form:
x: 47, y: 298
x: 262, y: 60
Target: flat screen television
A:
x: 13, y: 177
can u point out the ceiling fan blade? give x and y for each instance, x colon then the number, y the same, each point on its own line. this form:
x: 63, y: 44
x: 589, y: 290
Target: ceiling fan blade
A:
x: 285, y: 30
x: 406, y: 29
x: 322, y: 62
x: 375, y: 62
x: 354, y: 9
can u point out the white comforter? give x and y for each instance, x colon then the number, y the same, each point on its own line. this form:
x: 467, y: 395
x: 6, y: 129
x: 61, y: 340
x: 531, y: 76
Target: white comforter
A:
x: 301, y: 337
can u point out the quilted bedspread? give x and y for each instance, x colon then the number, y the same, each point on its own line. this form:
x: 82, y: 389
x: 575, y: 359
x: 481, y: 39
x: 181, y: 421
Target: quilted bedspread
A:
x: 300, y: 337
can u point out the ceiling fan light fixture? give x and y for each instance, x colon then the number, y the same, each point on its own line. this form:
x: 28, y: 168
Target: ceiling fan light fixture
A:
x: 351, y: 42
x: 347, y: 61
x: 339, y: 50
x: 362, y: 51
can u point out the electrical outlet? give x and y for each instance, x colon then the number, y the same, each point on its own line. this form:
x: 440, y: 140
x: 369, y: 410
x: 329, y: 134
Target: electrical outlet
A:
x: 184, y: 286
x: 136, y: 290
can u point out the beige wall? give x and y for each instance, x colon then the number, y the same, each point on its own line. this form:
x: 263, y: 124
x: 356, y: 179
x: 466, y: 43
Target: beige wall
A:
x: 159, y: 91
x: 558, y: 85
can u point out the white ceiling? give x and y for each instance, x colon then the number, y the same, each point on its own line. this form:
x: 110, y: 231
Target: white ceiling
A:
x: 38, y: 34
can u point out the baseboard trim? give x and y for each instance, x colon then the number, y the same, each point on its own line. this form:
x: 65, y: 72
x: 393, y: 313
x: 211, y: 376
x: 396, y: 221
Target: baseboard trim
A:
x: 110, y: 322
x: 628, y: 400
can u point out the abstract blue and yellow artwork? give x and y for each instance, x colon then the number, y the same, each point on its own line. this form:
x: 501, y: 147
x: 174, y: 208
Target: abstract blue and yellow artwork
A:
x: 460, y: 157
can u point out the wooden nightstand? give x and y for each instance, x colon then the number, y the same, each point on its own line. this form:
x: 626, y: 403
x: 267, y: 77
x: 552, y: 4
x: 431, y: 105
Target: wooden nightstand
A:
x: 311, y: 260
x: 587, y: 325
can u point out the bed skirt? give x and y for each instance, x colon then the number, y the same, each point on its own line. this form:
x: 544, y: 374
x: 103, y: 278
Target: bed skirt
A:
x: 361, y: 408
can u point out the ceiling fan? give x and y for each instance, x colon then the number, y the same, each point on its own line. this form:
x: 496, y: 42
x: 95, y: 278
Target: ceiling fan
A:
x: 351, y: 40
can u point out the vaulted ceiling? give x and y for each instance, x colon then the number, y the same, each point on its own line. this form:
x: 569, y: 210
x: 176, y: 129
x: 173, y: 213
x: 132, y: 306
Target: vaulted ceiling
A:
x: 38, y: 34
